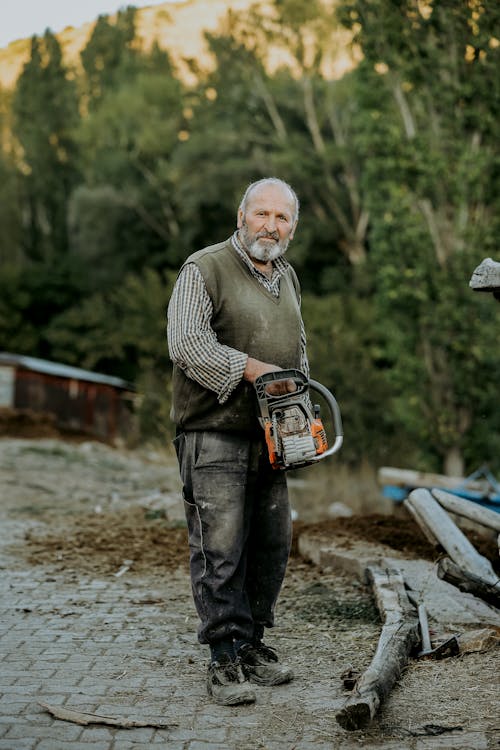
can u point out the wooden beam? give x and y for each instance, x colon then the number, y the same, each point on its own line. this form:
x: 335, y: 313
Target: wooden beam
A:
x: 414, y: 479
x: 468, y: 509
x: 399, y: 636
x: 436, y: 521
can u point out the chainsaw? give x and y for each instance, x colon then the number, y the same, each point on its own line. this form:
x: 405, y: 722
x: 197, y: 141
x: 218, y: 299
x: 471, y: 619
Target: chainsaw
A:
x: 294, y: 432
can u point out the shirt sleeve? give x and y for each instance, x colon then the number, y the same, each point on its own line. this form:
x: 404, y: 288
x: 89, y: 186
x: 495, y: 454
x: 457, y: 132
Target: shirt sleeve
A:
x: 193, y: 344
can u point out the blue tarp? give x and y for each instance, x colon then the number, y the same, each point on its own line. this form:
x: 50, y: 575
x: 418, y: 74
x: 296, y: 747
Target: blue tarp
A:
x: 489, y: 499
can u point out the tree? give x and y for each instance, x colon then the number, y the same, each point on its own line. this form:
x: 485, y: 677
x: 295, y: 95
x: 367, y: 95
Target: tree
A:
x: 11, y: 252
x: 45, y: 108
x: 428, y: 128
x: 109, y: 56
x: 123, y: 331
x: 128, y: 141
x: 309, y: 111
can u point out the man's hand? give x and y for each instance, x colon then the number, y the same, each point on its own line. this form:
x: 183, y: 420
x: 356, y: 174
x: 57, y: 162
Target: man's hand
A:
x: 255, y: 368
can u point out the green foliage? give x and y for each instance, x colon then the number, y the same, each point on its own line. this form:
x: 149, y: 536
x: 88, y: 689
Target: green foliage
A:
x: 128, y: 142
x: 45, y: 108
x: 11, y: 251
x: 109, y: 55
x: 345, y: 353
x: 122, y: 331
x: 111, y: 176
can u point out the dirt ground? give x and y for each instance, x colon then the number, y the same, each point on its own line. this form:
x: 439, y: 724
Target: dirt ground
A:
x: 85, y: 507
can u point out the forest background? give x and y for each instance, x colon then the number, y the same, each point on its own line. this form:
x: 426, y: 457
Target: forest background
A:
x: 113, y: 171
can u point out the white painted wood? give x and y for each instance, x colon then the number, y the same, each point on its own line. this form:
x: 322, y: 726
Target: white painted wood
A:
x: 409, y: 478
x: 468, y: 509
x: 431, y: 515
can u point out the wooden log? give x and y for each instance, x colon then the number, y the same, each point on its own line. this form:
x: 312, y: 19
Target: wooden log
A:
x: 468, y: 582
x: 414, y: 479
x: 436, y: 520
x: 486, y: 277
x: 427, y: 531
x: 399, y: 636
x: 468, y: 509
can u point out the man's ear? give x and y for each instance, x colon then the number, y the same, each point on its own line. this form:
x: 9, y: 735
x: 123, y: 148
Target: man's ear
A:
x: 292, y: 233
x: 239, y: 223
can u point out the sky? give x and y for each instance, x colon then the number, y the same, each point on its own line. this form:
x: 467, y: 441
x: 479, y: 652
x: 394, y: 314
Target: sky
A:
x: 23, y: 18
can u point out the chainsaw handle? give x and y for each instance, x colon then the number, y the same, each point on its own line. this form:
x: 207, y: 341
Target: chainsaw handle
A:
x: 336, y: 418
x: 263, y: 381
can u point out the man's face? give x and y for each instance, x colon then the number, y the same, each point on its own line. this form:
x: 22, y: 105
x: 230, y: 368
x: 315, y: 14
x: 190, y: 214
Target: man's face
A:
x: 268, y: 224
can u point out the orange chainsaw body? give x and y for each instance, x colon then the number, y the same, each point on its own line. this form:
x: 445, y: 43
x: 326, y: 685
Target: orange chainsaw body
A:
x: 294, y: 433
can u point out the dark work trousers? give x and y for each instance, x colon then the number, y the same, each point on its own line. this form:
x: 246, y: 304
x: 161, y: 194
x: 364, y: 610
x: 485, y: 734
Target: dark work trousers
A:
x: 239, y: 528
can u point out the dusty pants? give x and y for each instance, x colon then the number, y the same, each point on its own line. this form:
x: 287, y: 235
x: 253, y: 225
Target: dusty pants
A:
x: 239, y: 529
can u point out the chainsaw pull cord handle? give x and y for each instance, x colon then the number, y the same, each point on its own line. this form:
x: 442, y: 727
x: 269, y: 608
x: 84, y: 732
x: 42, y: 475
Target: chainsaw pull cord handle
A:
x: 337, y: 419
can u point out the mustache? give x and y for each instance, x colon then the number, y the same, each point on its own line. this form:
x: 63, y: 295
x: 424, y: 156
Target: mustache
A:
x: 267, y: 235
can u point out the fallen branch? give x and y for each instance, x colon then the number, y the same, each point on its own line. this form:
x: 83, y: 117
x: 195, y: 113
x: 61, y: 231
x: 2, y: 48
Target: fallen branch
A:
x: 400, y: 634
x: 468, y: 582
x: 78, y: 717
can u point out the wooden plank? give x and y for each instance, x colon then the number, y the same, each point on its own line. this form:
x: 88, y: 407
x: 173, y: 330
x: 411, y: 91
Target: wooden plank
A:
x: 414, y: 479
x: 399, y: 636
x: 436, y: 520
x: 486, y: 277
x: 468, y: 582
x: 468, y: 509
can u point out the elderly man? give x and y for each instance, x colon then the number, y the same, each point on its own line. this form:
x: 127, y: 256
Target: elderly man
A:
x: 234, y: 315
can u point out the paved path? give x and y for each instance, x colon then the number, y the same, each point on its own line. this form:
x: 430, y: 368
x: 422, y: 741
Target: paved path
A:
x: 118, y: 648
x: 126, y: 647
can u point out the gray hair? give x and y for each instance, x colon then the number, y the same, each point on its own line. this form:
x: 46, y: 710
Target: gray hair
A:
x: 270, y: 181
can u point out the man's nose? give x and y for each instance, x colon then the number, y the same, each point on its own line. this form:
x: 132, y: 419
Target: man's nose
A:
x: 270, y: 223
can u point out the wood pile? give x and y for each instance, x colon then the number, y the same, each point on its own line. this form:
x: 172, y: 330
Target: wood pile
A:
x: 464, y: 567
x: 404, y: 619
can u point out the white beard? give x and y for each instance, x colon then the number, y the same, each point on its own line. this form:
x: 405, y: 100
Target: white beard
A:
x: 265, y: 252
x: 259, y: 249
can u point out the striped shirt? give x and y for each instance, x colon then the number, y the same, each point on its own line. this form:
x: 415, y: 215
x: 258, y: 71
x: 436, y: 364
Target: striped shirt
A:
x: 193, y: 344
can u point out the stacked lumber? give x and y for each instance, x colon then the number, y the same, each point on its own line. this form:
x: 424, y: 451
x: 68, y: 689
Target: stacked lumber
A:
x: 464, y: 567
x: 404, y: 619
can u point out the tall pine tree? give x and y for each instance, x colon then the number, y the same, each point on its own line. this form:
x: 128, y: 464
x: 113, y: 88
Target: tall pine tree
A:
x: 45, y: 108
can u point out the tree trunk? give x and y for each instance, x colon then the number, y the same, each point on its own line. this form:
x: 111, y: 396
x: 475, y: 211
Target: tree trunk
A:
x: 454, y: 462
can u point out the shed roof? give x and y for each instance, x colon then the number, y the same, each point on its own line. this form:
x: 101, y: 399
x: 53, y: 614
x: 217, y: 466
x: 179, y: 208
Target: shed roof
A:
x: 64, y: 371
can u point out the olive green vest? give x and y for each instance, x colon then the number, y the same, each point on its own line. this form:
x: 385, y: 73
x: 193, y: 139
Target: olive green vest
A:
x: 248, y: 318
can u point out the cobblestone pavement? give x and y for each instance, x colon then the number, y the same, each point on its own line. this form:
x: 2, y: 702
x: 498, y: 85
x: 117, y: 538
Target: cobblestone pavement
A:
x: 126, y: 647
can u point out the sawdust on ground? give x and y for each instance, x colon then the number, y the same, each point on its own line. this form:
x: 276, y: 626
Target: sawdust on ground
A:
x: 96, y: 542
